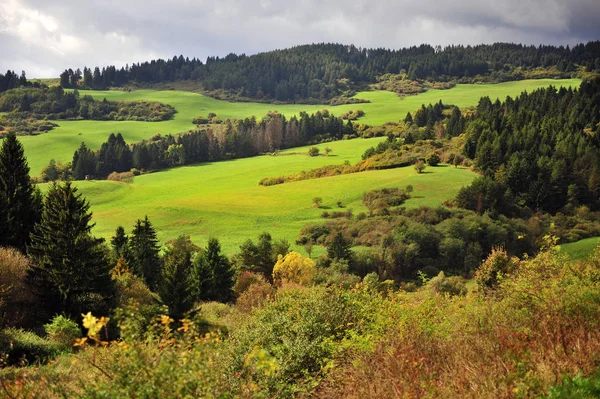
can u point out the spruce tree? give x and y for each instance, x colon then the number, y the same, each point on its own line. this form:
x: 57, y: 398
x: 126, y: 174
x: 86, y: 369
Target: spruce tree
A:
x: 175, y: 287
x: 222, y: 289
x: 212, y: 275
x: 120, y: 244
x: 69, y: 271
x: 20, y: 201
x: 143, y: 247
x: 84, y: 162
x: 340, y: 248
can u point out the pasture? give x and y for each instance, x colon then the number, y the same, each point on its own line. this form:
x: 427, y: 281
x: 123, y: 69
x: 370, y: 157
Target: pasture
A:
x: 579, y: 250
x: 224, y: 199
x: 61, y: 143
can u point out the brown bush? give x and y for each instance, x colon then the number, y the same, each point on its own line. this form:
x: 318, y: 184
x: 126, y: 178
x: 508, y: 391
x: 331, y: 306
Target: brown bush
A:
x: 125, y: 177
x: 255, y: 296
x: 245, y: 279
x: 15, y: 295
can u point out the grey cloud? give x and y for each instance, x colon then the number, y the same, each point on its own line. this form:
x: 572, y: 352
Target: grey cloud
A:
x: 45, y: 37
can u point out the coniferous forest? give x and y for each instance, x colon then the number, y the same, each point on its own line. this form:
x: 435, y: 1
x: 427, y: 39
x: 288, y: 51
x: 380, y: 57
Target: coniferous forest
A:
x: 320, y: 72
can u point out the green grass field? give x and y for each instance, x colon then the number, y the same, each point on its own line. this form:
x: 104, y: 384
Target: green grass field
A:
x: 224, y: 199
x: 60, y: 143
x: 579, y: 250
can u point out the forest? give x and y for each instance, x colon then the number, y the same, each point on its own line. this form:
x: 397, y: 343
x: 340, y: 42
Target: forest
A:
x: 319, y: 72
x: 27, y: 105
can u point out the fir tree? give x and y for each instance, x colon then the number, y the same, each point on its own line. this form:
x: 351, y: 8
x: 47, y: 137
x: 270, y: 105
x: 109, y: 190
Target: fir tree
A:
x: 144, y: 249
x: 212, y: 275
x: 84, y: 162
x: 175, y: 284
x: 120, y: 243
x: 69, y: 271
x: 19, y: 199
x: 340, y: 248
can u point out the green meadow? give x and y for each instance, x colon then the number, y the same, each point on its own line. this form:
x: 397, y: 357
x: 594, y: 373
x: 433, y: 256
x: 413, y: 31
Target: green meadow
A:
x: 579, y: 250
x: 224, y: 200
x: 60, y: 143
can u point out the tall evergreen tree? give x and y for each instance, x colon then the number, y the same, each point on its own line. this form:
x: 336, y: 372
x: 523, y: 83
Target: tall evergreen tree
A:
x: 340, y: 248
x: 69, y: 270
x: 144, y: 249
x: 120, y: 243
x: 175, y: 283
x: 212, y: 275
x: 84, y: 162
x: 222, y: 272
x: 18, y: 196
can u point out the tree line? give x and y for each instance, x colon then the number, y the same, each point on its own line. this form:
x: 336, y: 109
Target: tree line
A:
x: 56, y: 103
x: 322, y: 71
x: 234, y: 138
x: 539, y: 151
x: 11, y: 80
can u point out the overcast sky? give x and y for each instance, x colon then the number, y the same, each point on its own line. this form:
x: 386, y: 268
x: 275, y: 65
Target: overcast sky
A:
x: 43, y: 37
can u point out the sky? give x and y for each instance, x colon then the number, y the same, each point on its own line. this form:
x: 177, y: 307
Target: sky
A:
x: 45, y: 37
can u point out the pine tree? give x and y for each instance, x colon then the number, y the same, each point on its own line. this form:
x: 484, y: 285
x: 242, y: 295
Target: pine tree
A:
x: 84, y: 162
x: 175, y: 287
x: 69, y: 271
x: 144, y: 249
x: 339, y: 248
x: 222, y: 272
x: 212, y: 275
x: 20, y: 201
x: 120, y: 243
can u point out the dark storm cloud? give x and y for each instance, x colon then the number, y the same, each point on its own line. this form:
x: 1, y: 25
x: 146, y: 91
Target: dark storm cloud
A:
x: 45, y: 37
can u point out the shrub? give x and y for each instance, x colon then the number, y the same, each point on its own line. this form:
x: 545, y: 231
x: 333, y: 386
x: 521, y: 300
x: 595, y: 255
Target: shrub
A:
x: 420, y: 166
x: 313, y: 151
x: 15, y: 296
x: 337, y: 273
x: 492, y: 270
x: 255, y: 296
x: 300, y: 331
x: 245, y: 279
x: 433, y: 159
x: 293, y: 268
x: 126, y: 177
x: 447, y: 285
x: 317, y: 201
x: 62, y: 331
x: 24, y: 347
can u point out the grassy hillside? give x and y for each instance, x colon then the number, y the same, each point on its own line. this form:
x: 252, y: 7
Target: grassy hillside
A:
x: 61, y: 142
x: 581, y: 249
x: 224, y: 199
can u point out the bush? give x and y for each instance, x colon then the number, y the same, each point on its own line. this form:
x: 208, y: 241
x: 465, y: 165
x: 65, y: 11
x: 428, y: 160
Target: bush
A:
x: 433, y: 159
x: 63, y: 331
x: 24, y: 347
x: 245, y: 279
x: 447, y: 285
x: 293, y: 268
x: 16, y: 299
x: 493, y: 269
x: 337, y: 273
x: 255, y: 296
x: 420, y: 166
x: 299, y: 331
x: 313, y: 151
x: 126, y: 177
